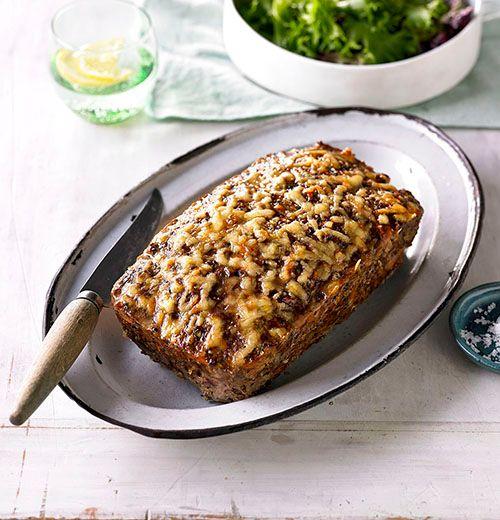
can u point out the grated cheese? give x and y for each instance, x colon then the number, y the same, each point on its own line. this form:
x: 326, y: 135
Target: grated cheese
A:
x: 250, y: 255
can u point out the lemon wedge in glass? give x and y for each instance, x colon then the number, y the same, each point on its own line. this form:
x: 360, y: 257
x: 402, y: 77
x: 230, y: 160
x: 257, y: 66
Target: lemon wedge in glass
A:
x: 93, y: 65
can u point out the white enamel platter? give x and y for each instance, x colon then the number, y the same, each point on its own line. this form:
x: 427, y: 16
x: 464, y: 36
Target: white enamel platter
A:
x: 114, y: 381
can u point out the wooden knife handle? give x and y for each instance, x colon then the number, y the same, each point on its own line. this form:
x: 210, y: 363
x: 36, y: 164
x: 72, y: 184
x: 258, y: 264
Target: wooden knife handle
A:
x: 65, y: 340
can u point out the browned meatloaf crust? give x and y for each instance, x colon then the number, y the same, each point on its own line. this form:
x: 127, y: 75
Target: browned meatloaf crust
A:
x: 238, y: 286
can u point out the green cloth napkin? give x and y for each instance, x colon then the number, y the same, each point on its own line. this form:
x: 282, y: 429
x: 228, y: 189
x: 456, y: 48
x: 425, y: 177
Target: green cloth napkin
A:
x: 197, y: 80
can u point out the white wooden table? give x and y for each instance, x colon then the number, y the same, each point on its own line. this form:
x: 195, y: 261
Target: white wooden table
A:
x: 421, y: 438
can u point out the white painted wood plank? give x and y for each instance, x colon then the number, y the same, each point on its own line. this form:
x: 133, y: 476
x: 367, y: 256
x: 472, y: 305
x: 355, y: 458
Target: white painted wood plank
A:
x: 262, y: 473
x: 419, y: 438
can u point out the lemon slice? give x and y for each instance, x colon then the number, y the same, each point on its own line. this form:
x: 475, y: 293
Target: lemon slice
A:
x: 93, y: 65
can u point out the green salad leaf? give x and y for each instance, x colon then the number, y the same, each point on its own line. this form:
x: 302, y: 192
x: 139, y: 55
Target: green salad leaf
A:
x: 352, y: 31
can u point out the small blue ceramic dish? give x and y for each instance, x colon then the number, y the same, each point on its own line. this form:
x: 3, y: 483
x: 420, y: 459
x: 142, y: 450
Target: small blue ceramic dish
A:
x: 475, y: 323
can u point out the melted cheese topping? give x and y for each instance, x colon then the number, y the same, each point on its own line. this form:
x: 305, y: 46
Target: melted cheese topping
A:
x: 234, y: 270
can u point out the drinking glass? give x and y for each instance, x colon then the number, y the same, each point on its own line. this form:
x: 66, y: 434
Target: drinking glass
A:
x: 103, y: 58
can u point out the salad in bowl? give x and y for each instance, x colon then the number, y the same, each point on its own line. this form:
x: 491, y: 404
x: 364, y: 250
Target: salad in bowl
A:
x: 378, y: 53
x: 357, y: 31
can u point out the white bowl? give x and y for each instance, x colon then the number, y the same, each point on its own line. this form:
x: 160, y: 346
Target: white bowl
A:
x: 388, y: 85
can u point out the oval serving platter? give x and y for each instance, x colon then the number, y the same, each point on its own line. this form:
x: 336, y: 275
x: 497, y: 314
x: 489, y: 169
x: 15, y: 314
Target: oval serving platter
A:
x: 114, y: 381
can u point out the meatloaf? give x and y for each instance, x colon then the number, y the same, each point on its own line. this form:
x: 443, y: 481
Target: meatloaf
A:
x: 247, y: 278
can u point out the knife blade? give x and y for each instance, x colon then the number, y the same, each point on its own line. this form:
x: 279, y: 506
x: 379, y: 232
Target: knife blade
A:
x: 74, y: 326
x: 126, y: 249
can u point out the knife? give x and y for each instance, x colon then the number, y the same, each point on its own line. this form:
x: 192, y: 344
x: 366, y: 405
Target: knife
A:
x: 74, y: 326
